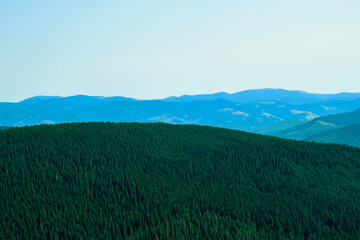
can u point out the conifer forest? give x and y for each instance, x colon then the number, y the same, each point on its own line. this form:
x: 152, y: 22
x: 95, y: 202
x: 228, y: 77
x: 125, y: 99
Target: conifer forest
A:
x: 162, y: 181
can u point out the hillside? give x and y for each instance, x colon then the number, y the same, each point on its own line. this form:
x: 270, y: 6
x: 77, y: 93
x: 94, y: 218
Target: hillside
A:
x: 349, y: 135
x: 160, y: 181
x: 347, y: 118
x: 303, y: 131
x: 274, y: 128
x: 321, y: 125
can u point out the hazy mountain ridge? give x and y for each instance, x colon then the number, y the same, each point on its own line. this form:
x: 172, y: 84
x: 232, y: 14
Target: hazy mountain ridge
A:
x: 294, y: 97
x: 213, y: 110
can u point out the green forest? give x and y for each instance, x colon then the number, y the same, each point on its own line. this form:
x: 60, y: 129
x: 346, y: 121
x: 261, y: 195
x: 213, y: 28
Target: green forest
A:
x: 161, y: 181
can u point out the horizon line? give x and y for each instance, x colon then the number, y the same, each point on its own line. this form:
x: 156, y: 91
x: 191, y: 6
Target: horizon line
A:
x: 178, y: 96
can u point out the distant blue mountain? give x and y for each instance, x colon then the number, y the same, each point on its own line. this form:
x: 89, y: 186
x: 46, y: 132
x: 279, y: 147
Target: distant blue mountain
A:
x: 71, y: 102
x: 39, y: 99
x: 253, y: 109
x: 290, y: 97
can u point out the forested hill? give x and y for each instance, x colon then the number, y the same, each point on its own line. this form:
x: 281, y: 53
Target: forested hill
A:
x: 349, y: 135
x: 159, y: 181
x: 326, y: 126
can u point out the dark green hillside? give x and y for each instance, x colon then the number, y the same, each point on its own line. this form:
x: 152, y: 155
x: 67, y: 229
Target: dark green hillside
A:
x: 159, y: 181
x: 349, y: 135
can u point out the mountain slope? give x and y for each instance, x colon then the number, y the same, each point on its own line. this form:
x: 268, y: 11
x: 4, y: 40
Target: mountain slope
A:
x: 320, y: 125
x: 348, y: 118
x: 306, y: 130
x: 339, y: 128
x: 39, y: 99
x: 278, y: 127
x: 159, y: 181
x: 349, y: 135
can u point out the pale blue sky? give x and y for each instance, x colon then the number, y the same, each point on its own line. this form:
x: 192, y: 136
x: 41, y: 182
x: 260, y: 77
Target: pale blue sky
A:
x: 155, y: 49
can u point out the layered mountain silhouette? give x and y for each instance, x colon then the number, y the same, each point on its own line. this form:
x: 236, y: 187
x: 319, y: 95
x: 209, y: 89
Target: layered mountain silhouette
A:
x: 251, y: 110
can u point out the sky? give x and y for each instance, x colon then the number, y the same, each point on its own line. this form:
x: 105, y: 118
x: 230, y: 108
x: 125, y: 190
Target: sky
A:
x: 155, y: 49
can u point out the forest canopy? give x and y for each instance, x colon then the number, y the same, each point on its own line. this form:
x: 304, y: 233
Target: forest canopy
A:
x: 161, y: 181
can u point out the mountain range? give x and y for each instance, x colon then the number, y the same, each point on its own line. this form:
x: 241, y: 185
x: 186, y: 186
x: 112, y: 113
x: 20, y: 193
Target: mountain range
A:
x: 295, y: 97
x: 288, y: 114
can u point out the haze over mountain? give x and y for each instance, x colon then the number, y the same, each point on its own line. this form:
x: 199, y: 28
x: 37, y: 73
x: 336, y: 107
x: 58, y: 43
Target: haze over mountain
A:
x: 247, y: 110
